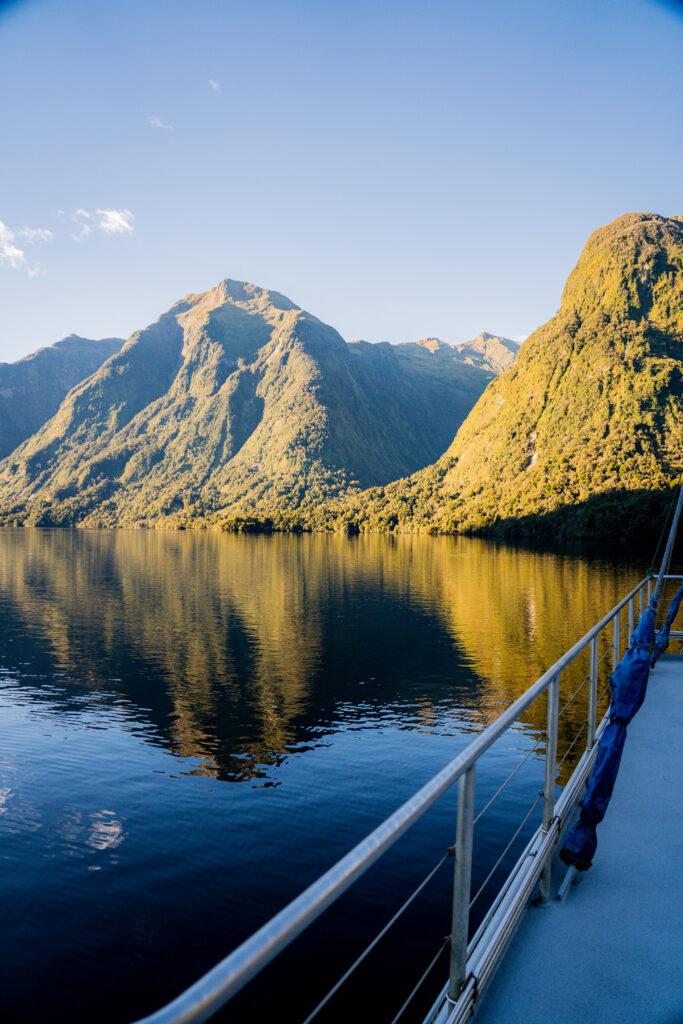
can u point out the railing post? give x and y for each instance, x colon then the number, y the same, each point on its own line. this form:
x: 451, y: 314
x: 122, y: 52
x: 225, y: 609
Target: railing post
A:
x: 592, y: 694
x: 461, y: 884
x: 649, y: 589
x: 616, y: 639
x: 550, y: 773
x: 631, y: 618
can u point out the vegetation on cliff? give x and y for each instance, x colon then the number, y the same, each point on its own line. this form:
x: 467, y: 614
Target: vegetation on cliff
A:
x: 237, y: 400
x: 32, y: 389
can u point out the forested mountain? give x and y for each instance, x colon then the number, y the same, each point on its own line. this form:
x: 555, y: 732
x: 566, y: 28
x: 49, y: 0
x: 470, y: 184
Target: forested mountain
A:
x: 237, y: 399
x: 583, y: 435
x: 32, y: 389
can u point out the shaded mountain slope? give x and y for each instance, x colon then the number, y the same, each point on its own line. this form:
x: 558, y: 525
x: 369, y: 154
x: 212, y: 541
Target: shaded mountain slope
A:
x: 32, y: 389
x: 590, y: 413
x: 237, y: 399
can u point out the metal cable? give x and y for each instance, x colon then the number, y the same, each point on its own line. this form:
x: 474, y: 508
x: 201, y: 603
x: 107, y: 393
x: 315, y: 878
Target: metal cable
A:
x: 575, y: 694
x: 666, y: 523
x: 380, y: 935
x: 603, y: 692
x: 608, y: 651
x: 497, y: 864
x: 572, y: 744
x: 421, y: 981
x: 510, y: 777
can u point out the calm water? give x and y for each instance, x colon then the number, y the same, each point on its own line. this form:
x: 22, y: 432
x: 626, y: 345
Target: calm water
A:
x: 193, y: 727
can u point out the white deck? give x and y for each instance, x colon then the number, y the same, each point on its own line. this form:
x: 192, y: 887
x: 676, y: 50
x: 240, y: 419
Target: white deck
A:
x: 613, y: 953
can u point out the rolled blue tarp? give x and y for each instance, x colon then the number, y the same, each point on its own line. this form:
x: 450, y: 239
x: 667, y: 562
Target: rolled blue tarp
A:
x: 628, y: 683
x: 662, y: 638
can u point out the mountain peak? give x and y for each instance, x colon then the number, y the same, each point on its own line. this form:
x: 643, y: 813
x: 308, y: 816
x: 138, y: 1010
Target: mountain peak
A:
x: 628, y: 267
x: 432, y: 344
x: 491, y: 350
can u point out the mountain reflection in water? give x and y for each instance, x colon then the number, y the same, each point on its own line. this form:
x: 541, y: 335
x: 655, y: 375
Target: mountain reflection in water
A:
x: 139, y: 671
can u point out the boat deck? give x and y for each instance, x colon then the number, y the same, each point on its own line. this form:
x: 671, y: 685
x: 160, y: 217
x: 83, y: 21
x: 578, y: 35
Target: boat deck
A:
x: 613, y: 952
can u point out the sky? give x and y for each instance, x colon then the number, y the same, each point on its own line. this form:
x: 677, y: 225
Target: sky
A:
x: 400, y: 169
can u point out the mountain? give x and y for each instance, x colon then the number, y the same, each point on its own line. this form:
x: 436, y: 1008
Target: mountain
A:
x: 238, y: 400
x: 32, y: 389
x: 489, y: 351
x: 584, y: 433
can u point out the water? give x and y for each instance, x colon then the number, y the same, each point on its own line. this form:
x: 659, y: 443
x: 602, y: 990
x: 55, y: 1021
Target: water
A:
x: 195, y: 726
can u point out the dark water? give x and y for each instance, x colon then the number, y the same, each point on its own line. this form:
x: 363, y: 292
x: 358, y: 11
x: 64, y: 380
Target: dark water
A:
x: 195, y: 726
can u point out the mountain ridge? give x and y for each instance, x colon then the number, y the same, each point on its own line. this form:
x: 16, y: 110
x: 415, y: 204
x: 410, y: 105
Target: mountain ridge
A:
x: 236, y: 397
x: 32, y: 388
x: 590, y: 413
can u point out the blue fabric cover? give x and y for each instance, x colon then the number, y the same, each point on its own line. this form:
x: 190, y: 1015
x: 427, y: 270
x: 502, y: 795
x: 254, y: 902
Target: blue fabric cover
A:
x: 662, y: 638
x: 628, y: 683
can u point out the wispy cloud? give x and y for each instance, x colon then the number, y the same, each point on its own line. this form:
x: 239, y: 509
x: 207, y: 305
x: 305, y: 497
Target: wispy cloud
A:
x: 10, y: 254
x: 32, y: 235
x: 15, y: 258
x: 115, y: 222
x: 155, y: 122
x: 84, y: 222
x: 111, y: 222
x: 81, y: 217
x: 519, y: 338
x: 216, y: 86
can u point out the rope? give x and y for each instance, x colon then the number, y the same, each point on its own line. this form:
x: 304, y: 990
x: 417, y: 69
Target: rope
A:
x: 496, y: 865
x: 380, y: 935
x: 421, y: 981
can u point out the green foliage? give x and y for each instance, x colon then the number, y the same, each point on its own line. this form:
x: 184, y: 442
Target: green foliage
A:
x: 236, y: 409
x: 32, y: 389
x: 589, y: 420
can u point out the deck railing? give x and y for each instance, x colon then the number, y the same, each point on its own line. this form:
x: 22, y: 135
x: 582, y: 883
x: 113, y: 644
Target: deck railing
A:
x: 472, y: 962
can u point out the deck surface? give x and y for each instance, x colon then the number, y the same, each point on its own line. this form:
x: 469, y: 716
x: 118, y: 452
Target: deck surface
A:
x: 613, y: 952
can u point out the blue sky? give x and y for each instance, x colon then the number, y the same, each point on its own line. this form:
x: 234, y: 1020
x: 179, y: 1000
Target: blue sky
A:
x: 399, y: 169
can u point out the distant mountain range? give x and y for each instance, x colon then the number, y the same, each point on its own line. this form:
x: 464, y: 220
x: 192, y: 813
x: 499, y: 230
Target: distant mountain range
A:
x: 239, y: 410
x: 32, y: 389
x: 239, y: 399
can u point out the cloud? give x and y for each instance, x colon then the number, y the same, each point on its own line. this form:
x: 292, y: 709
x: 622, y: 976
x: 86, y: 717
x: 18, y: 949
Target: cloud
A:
x: 32, y: 235
x: 15, y: 258
x: 519, y: 338
x: 216, y: 86
x: 155, y: 122
x: 10, y: 254
x: 83, y: 233
x: 115, y: 222
x: 110, y: 222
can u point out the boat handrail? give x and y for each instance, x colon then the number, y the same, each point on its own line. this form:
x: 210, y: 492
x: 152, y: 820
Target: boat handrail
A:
x: 205, y: 997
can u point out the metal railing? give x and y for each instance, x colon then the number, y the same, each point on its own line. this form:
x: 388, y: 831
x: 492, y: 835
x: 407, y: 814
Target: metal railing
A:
x: 472, y: 963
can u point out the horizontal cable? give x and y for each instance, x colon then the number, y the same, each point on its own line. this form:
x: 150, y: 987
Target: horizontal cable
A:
x: 497, y: 864
x: 380, y: 935
x: 572, y: 744
x: 510, y: 777
x: 421, y: 981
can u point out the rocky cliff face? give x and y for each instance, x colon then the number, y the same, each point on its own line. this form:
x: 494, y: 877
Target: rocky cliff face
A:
x: 237, y: 399
x: 587, y: 424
